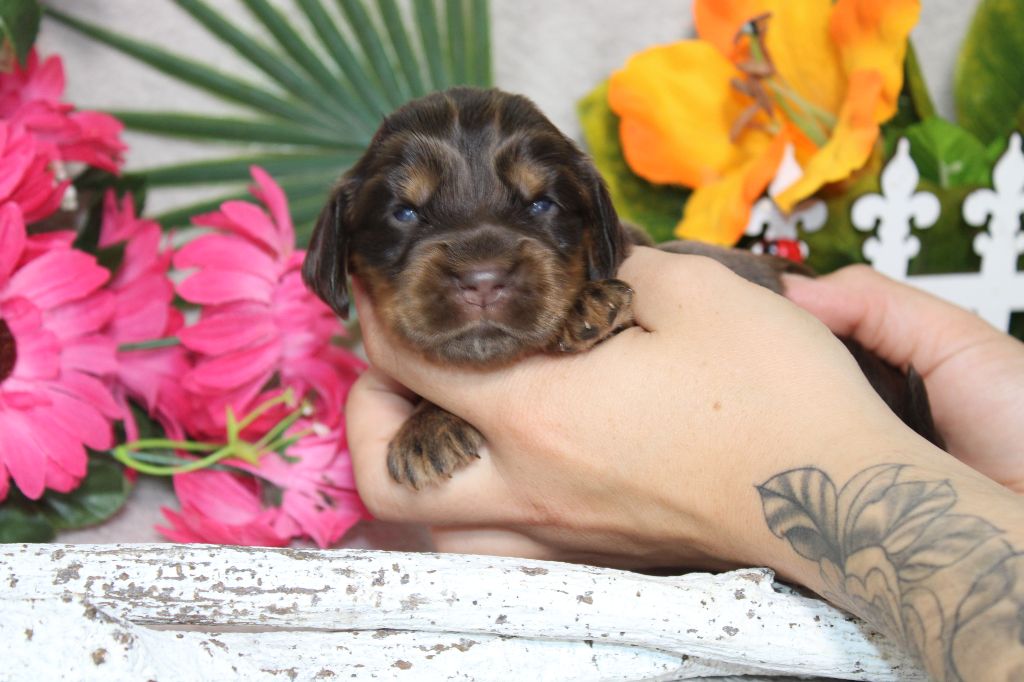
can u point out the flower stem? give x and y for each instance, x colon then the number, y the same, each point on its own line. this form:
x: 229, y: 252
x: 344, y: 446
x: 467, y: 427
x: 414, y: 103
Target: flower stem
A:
x: 161, y: 464
x: 150, y: 345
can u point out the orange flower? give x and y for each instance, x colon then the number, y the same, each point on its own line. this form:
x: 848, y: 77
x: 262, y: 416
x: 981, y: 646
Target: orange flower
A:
x: 716, y: 114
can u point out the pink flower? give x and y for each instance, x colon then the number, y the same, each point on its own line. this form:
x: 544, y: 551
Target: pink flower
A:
x: 259, y: 322
x: 222, y: 508
x: 25, y: 175
x: 52, y: 401
x: 313, y: 482
x: 30, y: 97
x: 319, y: 498
x: 144, y: 311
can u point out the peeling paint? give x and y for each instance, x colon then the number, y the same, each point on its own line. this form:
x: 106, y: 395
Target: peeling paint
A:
x: 66, y: 575
x: 533, y: 570
x: 413, y: 602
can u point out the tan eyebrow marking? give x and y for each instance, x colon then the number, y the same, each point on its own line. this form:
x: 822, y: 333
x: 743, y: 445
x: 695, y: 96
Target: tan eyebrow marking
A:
x: 417, y: 184
x: 529, y: 177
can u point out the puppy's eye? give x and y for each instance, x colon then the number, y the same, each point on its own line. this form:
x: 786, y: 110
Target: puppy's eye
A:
x: 540, y: 206
x: 404, y: 214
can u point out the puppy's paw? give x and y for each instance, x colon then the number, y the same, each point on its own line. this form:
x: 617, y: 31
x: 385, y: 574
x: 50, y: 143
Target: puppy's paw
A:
x: 602, y: 309
x: 430, y: 446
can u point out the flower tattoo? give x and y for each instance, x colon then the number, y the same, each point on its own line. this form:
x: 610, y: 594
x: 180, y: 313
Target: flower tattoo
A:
x: 891, y: 549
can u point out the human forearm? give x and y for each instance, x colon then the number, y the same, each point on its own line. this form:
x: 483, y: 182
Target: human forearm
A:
x: 928, y: 553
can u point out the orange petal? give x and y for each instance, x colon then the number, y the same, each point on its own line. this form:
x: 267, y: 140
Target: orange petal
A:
x: 719, y: 212
x: 872, y: 35
x: 803, y: 54
x: 718, y: 21
x: 850, y: 145
x: 676, y: 108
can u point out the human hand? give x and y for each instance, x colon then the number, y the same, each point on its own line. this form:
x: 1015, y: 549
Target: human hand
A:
x: 974, y: 373
x: 644, y: 451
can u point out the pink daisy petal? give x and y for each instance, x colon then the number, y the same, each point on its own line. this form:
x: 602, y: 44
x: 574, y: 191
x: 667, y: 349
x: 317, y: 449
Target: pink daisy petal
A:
x: 228, y: 332
x: 236, y: 369
x: 21, y: 454
x: 251, y: 222
x: 222, y: 286
x: 226, y: 252
x: 274, y: 198
x: 74, y: 319
x: 58, y: 277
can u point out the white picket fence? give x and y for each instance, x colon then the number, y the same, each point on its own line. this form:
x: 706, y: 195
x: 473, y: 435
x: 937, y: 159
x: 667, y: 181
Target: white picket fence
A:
x: 994, y: 292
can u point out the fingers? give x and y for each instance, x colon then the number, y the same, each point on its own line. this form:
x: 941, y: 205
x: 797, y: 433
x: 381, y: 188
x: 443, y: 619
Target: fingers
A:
x: 377, y: 407
x: 901, y: 324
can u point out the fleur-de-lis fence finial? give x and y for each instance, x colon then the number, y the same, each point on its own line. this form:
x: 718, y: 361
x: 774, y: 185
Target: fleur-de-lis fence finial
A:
x: 892, y: 212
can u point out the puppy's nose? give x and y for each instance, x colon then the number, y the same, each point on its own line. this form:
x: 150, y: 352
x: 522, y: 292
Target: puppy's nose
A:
x: 482, y: 285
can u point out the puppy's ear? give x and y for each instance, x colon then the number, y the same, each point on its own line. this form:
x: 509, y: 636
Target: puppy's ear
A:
x: 607, y: 244
x: 325, y: 269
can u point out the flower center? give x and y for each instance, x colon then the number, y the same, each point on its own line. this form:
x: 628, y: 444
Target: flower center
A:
x: 765, y: 86
x: 8, y: 351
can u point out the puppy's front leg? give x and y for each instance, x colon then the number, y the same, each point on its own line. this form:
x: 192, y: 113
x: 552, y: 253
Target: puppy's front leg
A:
x: 602, y: 309
x: 431, y: 446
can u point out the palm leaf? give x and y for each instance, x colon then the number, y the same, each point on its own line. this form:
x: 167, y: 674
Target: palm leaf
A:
x: 318, y: 102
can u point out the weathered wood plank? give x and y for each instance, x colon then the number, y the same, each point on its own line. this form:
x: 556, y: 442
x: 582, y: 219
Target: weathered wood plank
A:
x: 523, y: 613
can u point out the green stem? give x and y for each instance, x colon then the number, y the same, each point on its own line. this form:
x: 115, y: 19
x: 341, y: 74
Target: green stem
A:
x: 150, y: 345
x: 121, y: 454
x: 811, y: 128
x: 826, y: 118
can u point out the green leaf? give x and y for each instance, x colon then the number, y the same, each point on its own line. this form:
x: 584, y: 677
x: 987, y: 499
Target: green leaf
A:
x: 220, y: 128
x: 457, y: 41
x: 102, y: 493
x: 373, y: 46
x: 236, y: 169
x: 24, y: 524
x: 412, y: 67
x: 430, y: 36
x: 655, y: 208
x: 19, y: 20
x: 374, y: 100
x: 297, y: 49
x: 948, y: 155
x: 198, y: 74
x: 915, y: 87
x: 480, y: 42
x: 988, y: 83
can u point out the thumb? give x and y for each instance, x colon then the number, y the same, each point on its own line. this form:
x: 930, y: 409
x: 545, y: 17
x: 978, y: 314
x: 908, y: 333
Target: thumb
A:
x: 901, y: 324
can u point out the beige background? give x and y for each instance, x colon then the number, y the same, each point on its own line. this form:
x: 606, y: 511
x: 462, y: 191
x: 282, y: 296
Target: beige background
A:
x: 554, y: 51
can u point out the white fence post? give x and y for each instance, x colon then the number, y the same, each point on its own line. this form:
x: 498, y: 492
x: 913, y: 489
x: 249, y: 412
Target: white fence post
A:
x: 893, y: 211
x: 995, y: 292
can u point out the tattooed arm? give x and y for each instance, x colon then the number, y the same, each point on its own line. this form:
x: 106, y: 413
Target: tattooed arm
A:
x: 899, y: 547
x: 728, y: 429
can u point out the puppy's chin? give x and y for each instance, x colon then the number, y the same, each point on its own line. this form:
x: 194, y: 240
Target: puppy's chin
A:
x: 480, y: 343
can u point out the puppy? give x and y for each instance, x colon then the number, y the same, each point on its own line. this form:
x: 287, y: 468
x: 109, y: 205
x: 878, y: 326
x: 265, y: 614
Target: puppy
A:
x: 483, y: 234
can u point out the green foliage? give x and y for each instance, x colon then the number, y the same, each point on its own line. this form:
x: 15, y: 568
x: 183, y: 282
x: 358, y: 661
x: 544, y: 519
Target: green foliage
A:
x: 988, y: 85
x: 948, y: 155
x: 655, y: 208
x: 320, y: 100
x: 102, y: 493
x: 19, y: 24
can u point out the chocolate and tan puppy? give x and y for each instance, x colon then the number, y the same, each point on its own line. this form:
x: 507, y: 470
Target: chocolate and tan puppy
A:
x: 483, y: 234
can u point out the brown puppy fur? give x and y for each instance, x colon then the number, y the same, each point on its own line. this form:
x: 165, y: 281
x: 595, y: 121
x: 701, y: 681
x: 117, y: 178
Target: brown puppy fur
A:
x: 481, y: 234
